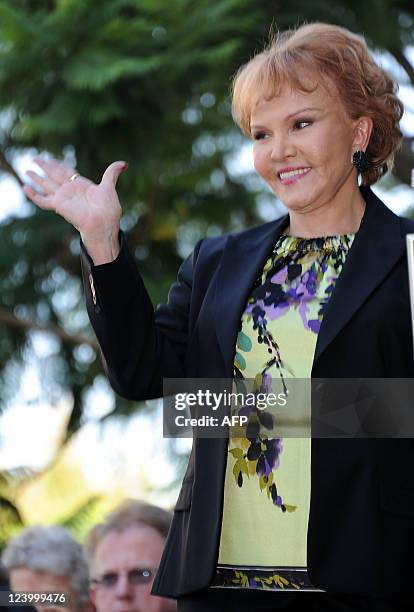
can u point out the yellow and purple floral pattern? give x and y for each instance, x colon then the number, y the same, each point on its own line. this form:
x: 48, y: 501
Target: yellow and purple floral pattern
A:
x: 267, y: 482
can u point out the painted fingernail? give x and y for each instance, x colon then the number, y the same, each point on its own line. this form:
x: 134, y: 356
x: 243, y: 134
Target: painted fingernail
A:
x: 124, y: 167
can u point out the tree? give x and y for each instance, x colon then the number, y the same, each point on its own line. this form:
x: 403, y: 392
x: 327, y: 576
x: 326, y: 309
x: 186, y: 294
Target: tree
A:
x: 140, y: 80
x: 145, y: 81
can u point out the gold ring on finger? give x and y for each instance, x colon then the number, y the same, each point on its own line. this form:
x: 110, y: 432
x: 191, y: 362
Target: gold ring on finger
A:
x: 73, y: 177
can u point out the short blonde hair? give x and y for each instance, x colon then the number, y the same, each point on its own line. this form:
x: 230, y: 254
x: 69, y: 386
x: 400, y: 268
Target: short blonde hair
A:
x: 131, y: 512
x: 341, y: 56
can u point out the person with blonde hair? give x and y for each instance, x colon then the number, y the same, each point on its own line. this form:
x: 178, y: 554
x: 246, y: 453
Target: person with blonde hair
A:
x: 123, y: 554
x: 261, y: 522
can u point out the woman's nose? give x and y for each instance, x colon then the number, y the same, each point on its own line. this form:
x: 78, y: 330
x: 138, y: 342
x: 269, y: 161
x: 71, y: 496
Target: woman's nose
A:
x: 281, y: 148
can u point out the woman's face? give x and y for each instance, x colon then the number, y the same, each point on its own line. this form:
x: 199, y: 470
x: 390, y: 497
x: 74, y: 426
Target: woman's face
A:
x: 303, y: 146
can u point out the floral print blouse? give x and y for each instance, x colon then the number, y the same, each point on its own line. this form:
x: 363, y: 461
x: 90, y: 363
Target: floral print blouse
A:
x: 267, y: 482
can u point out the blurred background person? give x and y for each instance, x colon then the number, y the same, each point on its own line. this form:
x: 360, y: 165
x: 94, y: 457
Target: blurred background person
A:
x: 49, y: 560
x: 123, y: 553
x: 4, y: 586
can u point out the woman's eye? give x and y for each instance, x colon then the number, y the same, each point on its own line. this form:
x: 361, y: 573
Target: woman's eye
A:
x: 259, y: 136
x: 299, y: 125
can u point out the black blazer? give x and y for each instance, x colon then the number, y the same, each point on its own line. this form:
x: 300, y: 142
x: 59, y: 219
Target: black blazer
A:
x: 361, y: 521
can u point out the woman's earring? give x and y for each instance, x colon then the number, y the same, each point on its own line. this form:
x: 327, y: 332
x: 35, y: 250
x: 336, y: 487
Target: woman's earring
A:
x: 360, y: 161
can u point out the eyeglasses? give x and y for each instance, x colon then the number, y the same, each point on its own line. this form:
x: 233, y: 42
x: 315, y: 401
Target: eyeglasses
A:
x: 135, y: 577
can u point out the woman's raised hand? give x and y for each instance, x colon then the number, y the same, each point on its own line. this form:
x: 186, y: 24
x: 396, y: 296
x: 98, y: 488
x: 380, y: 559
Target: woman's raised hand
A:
x: 94, y: 210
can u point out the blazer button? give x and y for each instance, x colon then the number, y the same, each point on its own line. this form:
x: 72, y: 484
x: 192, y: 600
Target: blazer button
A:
x: 92, y: 289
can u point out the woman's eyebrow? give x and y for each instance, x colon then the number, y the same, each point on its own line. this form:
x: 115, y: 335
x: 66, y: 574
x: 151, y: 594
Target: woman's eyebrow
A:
x: 304, y: 110
x: 298, y: 112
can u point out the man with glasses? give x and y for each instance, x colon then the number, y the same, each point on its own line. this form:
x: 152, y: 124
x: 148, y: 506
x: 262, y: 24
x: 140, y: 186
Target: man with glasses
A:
x: 123, y: 554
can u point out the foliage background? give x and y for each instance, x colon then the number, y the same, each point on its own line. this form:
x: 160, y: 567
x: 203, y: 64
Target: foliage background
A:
x: 146, y: 81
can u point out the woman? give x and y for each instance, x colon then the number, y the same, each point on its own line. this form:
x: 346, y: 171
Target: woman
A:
x: 321, y: 292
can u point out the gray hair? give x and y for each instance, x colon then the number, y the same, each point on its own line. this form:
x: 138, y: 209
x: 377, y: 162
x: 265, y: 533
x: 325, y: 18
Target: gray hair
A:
x: 50, y: 549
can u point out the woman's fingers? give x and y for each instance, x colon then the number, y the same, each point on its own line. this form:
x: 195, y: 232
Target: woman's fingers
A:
x: 54, y: 170
x: 112, y: 173
x: 71, y: 195
x: 41, y: 201
x: 47, y: 185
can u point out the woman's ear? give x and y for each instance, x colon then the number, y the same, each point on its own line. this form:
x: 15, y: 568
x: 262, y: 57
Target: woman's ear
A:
x: 362, y: 133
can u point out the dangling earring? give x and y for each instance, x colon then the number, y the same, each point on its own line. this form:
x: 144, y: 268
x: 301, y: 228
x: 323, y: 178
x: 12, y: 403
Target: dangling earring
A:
x: 360, y: 161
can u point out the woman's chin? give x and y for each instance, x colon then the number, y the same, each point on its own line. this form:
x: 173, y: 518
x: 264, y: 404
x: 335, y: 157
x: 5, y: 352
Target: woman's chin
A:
x: 294, y: 197
x: 297, y: 204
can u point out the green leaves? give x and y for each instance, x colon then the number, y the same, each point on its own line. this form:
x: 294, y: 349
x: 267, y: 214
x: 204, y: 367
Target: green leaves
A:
x: 243, y: 342
x: 130, y: 80
x: 290, y: 508
x: 240, y: 465
x: 266, y: 483
x: 237, y: 453
x: 100, y: 85
x: 241, y: 578
x: 95, y: 69
x: 240, y: 361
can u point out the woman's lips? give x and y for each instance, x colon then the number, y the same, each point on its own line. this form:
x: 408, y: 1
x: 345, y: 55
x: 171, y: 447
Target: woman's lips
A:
x: 292, y: 176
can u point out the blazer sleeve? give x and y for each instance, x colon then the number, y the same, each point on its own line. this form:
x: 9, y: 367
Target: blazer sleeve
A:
x: 139, y: 345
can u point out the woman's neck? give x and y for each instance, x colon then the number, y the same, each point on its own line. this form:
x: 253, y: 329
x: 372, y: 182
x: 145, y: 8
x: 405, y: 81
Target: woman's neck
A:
x: 331, y: 219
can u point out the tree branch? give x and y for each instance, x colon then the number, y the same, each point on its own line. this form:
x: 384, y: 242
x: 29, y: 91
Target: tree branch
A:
x: 9, y: 319
x: 404, y: 63
x: 7, y: 167
x: 404, y: 161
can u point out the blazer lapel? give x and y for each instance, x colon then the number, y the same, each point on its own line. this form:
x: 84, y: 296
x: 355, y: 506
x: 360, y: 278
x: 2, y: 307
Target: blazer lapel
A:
x: 376, y: 248
x: 243, y: 259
